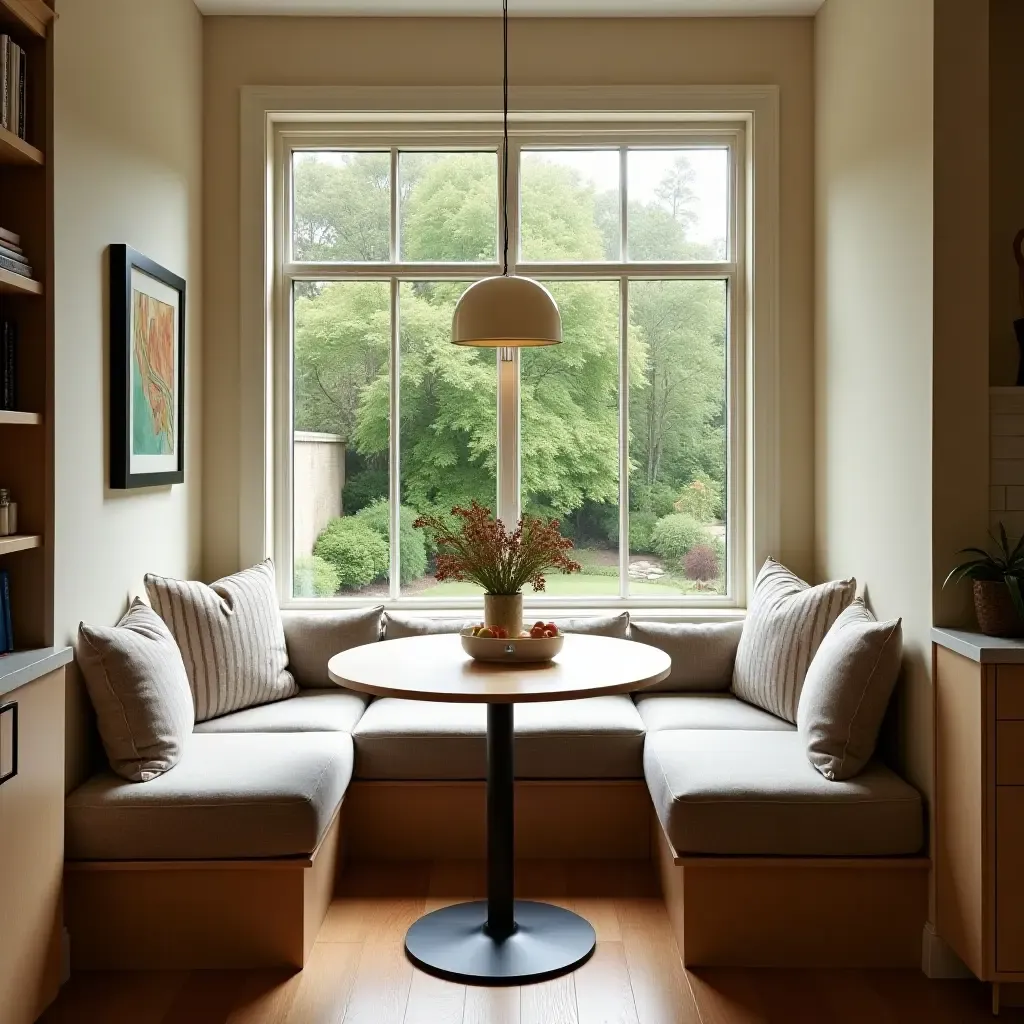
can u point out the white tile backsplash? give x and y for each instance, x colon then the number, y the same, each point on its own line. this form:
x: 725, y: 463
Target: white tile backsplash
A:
x: 1006, y: 459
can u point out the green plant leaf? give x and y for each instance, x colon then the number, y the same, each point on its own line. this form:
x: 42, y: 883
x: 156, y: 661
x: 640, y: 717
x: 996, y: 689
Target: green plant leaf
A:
x: 1013, y: 585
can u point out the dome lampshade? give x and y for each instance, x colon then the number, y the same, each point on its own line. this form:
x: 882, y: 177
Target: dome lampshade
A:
x: 506, y: 312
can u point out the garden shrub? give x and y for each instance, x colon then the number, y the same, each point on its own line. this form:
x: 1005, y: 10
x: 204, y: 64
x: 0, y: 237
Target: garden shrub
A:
x: 674, y: 535
x: 702, y: 499
x: 358, y: 553
x: 701, y: 563
x: 641, y: 532
x: 412, y: 548
x: 364, y: 488
x: 315, y: 577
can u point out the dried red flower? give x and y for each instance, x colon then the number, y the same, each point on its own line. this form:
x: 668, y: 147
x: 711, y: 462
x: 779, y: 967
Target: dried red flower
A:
x: 478, y: 549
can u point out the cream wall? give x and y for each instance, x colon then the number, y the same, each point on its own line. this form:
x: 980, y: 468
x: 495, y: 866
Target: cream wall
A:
x: 127, y: 168
x: 1006, y: 34
x: 304, y: 51
x: 901, y: 357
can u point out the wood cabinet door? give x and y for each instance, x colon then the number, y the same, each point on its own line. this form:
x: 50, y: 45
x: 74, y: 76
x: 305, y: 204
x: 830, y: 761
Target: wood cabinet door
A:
x: 1010, y: 878
x: 32, y: 854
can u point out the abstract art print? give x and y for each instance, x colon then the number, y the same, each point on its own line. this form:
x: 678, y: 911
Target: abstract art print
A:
x: 147, y: 360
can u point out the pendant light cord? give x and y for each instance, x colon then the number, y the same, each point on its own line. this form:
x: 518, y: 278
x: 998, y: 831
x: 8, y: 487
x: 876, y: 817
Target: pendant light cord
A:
x: 504, y: 195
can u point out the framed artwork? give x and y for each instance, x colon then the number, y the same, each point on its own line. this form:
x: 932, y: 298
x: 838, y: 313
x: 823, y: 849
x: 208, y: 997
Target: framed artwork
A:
x: 147, y: 372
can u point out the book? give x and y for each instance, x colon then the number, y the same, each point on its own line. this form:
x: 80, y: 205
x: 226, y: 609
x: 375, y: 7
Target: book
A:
x: 5, y: 596
x: 5, y: 48
x: 8, y: 365
x: 12, y: 87
x: 12, y: 253
x: 10, y: 238
x: 14, y: 266
x: 21, y: 93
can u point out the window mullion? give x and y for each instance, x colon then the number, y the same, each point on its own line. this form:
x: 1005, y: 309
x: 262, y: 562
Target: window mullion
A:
x: 394, y: 450
x: 623, y: 437
x: 623, y: 204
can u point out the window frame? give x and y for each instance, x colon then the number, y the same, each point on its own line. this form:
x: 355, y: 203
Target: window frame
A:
x: 752, y: 372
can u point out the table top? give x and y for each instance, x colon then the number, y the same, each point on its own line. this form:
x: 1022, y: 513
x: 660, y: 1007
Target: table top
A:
x: 437, y: 668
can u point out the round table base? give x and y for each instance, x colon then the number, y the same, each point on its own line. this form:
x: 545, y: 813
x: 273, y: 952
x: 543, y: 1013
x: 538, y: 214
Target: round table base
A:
x: 452, y: 943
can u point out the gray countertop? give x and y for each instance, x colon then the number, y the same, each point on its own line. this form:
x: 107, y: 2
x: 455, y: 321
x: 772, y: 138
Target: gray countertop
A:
x: 22, y: 667
x: 991, y: 650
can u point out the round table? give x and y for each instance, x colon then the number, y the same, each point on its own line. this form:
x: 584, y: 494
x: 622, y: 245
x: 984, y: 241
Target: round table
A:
x: 500, y: 941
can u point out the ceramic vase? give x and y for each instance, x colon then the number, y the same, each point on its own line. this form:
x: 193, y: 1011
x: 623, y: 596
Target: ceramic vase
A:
x: 504, y: 610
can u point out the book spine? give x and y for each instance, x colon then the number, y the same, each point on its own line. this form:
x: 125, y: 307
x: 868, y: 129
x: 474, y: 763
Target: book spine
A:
x: 15, y: 267
x: 5, y: 589
x: 21, y: 93
x: 4, y: 636
x: 5, y: 340
x: 12, y: 254
x: 12, y: 90
x: 11, y: 366
x: 5, y: 51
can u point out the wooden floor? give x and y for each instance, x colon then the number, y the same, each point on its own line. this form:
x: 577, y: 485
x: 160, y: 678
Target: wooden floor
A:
x: 358, y: 973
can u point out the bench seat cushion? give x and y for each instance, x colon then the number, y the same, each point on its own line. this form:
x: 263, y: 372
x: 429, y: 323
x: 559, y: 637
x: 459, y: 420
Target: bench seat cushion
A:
x: 755, y: 793
x: 593, y: 738
x: 330, y: 710
x: 703, y: 711
x: 242, y: 795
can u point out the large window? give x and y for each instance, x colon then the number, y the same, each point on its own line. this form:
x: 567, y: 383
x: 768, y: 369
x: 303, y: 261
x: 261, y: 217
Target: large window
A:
x: 628, y: 432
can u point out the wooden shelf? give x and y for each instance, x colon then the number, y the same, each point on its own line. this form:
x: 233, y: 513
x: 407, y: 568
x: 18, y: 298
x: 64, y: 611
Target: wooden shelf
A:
x: 15, y: 150
x: 10, y: 418
x: 31, y: 15
x: 19, y: 542
x: 11, y: 282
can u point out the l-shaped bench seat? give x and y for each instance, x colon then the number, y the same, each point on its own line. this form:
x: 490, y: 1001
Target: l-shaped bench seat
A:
x: 258, y: 795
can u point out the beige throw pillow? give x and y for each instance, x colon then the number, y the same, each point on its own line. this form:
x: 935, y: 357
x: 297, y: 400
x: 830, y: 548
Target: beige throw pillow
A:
x: 847, y: 690
x: 231, y: 638
x: 138, y: 686
x: 313, y: 638
x: 786, y: 622
x: 703, y: 654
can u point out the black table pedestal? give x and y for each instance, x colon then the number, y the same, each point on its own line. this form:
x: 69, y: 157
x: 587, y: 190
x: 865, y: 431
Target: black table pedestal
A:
x: 502, y: 941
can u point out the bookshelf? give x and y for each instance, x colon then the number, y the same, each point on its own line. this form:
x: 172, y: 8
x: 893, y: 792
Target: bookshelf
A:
x: 26, y: 431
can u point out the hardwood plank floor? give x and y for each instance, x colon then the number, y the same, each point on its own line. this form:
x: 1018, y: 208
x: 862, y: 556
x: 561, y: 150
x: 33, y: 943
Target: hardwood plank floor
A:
x: 358, y: 973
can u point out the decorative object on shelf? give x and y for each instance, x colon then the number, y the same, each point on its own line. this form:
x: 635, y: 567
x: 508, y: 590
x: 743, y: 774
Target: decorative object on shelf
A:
x: 8, y: 365
x: 506, y: 312
x: 8, y: 514
x: 998, y: 601
x: 1018, y: 324
x: 481, y: 644
x: 478, y: 549
x: 12, y: 256
x: 147, y: 372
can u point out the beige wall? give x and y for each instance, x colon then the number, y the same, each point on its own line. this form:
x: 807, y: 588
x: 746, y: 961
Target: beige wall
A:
x: 127, y: 168
x: 873, y: 354
x: 901, y: 313
x: 1006, y: 34
x: 300, y: 51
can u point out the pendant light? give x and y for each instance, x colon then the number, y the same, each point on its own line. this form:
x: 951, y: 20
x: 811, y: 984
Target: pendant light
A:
x: 506, y: 312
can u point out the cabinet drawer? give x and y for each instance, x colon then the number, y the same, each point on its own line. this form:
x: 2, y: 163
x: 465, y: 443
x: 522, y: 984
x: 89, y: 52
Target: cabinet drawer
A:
x: 1010, y: 753
x: 1010, y: 691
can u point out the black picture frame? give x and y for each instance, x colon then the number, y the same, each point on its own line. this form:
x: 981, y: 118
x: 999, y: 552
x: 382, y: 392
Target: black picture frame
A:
x: 123, y: 261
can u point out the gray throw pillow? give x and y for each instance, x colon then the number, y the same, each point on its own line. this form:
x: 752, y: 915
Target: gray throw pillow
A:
x: 138, y: 686
x: 591, y: 625
x: 313, y: 638
x: 786, y: 622
x: 398, y: 627
x: 230, y: 636
x: 847, y: 690
x: 703, y: 654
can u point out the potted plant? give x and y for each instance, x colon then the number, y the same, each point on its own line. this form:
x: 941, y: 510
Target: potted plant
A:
x: 997, y: 585
x: 478, y: 549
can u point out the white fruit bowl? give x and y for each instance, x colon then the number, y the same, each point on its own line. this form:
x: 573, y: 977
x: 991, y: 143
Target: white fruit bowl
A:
x: 513, y: 651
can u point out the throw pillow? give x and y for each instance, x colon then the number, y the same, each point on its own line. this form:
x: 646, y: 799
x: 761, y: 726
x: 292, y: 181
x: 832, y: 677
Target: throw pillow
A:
x: 138, y: 686
x: 591, y: 625
x: 398, y: 627
x: 703, y: 654
x: 786, y: 622
x: 313, y: 638
x: 231, y: 638
x: 847, y: 691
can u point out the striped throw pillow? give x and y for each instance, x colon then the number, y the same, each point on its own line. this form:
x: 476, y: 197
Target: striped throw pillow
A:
x: 230, y: 636
x: 786, y: 622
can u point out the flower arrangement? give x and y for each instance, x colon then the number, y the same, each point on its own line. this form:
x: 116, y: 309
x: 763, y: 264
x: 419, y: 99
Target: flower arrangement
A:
x: 478, y: 549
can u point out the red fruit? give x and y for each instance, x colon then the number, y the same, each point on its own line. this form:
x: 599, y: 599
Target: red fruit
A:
x: 539, y: 624
x: 500, y: 632
x: 552, y: 627
x: 537, y: 632
x: 549, y: 634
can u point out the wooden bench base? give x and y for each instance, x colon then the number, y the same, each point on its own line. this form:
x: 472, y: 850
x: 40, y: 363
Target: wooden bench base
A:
x: 187, y: 915
x: 810, y: 912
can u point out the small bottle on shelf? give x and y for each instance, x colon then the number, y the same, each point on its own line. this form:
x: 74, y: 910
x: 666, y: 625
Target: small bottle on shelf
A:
x: 5, y: 513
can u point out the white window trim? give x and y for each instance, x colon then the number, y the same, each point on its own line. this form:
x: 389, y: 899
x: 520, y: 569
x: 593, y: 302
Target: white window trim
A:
x: 265, y: 110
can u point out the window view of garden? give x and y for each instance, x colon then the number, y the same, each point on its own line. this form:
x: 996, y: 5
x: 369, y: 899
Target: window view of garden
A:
x: 569, y: 395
